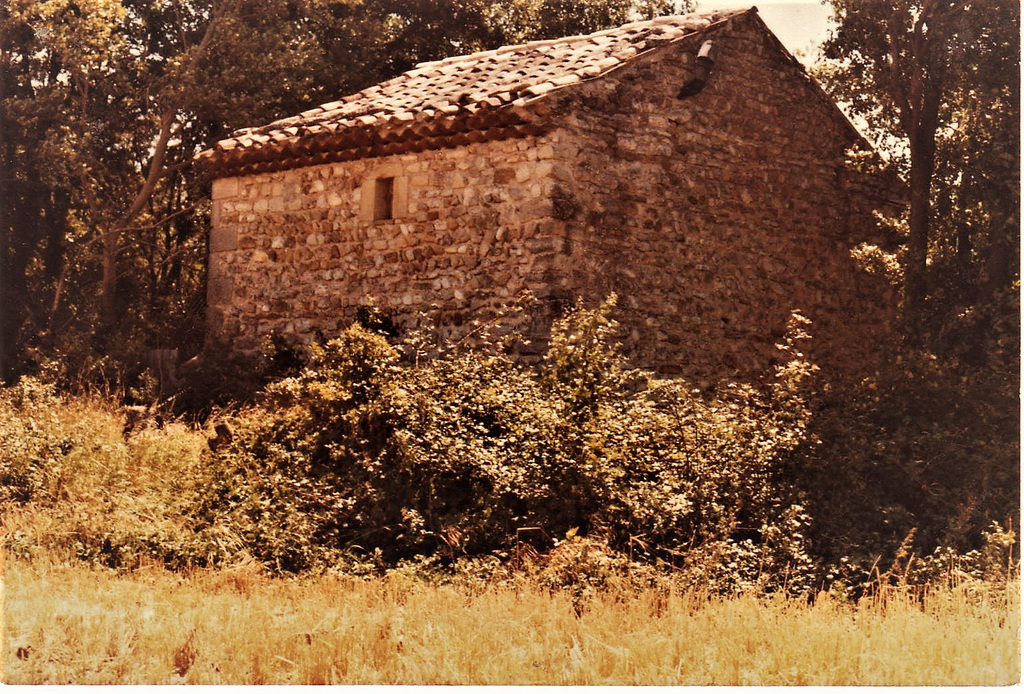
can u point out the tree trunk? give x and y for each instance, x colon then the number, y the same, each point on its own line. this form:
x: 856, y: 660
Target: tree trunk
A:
x: 924, y: 123
x: 112, y: 234
x: 108, y: 287
x: 922, y: 165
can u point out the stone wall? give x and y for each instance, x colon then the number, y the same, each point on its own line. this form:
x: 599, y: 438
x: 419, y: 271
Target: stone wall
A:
x: 712, y: 218
x: 298, y: 252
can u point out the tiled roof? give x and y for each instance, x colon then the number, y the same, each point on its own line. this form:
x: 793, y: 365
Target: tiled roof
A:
x: 468, y: 98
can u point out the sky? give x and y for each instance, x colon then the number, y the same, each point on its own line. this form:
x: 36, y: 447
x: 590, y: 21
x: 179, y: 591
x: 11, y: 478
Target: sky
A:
x: 801, y: 25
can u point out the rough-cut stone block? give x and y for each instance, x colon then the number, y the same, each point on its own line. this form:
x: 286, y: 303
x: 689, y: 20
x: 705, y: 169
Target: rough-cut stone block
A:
x: 223, y: 238
x: 221, y: 291
x: 225, y: 188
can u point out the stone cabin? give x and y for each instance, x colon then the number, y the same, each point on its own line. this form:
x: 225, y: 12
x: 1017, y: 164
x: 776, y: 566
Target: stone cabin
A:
x: 688, y: 164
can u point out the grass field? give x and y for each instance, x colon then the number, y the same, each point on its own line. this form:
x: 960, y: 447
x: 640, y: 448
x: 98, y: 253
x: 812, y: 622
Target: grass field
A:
x: 95, y: 493
x: 66, y: 623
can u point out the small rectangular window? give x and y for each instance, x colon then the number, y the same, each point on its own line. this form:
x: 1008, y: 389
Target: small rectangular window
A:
x: 383, y: 199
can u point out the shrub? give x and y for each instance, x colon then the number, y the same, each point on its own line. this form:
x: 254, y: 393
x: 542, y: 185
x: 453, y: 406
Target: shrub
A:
x: 77, y: 480
x: 930, y: 441
x: 992, y: 568
x: 45, y: 444
x: 417, y: 456
x: 364, y: 453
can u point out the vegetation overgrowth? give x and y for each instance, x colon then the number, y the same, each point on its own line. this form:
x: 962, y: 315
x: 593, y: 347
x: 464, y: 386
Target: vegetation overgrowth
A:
x: 386, y: 456
x: 103, y: 227
x: 386, y: 452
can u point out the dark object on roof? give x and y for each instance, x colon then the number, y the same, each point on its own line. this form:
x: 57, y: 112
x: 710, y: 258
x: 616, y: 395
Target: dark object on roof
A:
x: 705, y: 61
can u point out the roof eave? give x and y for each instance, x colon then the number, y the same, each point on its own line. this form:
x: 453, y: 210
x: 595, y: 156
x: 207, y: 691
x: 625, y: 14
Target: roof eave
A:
x: 362, y: 143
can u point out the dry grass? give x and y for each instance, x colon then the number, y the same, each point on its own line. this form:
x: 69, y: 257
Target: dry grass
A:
x: 66, y: 623
x: 70, y: 624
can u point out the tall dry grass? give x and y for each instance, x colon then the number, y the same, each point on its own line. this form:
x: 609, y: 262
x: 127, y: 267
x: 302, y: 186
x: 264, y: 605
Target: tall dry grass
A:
x: 65, y: 623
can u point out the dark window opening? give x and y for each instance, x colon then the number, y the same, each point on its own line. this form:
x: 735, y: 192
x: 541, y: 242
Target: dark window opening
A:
x: 384, y: 198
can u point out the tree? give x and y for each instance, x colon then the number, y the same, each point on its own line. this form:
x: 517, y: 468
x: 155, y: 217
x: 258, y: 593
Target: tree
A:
x: 543, y: 19
x: 104, y: 106
x: 375, y: 40
x: 932, y: 439
x: 34, y: 219
x: 940, y: 79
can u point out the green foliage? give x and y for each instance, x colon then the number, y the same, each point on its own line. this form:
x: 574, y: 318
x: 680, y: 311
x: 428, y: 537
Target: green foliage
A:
x: 377, y: 459
x: 105, y: 103
x: 586, y: 566
x: 930, y: 441
x: 583, y: 367
x: 938, y: 86
x: 994, y: 565
x: 54, y: 450
x: 529, y: 20
x: 34, y: 441
x: 95, y: 491
x: 450, y: 456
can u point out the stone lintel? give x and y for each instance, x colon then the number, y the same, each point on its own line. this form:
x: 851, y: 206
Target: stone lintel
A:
x: 225, y: 188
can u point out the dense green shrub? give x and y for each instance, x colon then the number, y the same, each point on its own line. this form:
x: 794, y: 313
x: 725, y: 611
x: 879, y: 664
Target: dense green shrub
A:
x: 77, y: 480
x: 43, y: 445
x: 366, y: 451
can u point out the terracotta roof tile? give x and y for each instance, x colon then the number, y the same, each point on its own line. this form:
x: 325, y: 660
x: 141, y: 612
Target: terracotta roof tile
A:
x: 510, y: 76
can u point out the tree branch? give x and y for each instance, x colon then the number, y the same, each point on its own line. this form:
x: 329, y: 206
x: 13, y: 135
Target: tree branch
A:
x: 896, y: 68
x: 155, y: 168
x: 156, y: 164
x: 159, y: 223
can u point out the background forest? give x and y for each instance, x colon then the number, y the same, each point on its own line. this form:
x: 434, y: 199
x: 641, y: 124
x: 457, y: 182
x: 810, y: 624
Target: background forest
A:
x: 104, y: 220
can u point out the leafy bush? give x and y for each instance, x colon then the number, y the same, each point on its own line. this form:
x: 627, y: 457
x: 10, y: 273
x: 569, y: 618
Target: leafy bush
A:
x: 992, y: 567
x: 930, y: 441
x: 585, y: 567
x: 365, y: 452
x: 44, y: 445
x: 77, y: 480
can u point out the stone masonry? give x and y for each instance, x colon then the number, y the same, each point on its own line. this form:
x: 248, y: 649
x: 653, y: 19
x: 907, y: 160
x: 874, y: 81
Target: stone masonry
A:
x: 712, y: 217
x: 290, y: 251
